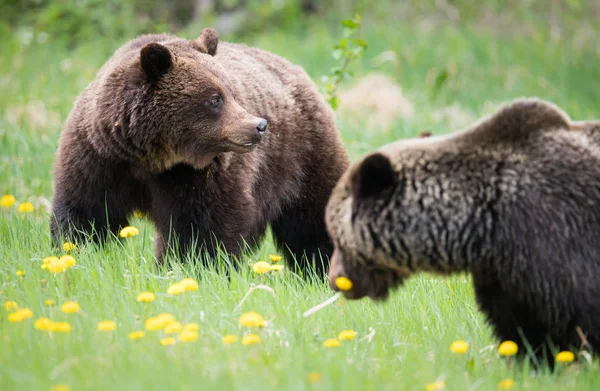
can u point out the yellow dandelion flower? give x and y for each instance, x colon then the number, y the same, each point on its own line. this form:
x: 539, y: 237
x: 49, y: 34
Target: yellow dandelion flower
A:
x: 69, y: 260
x: 173, y: 327
x: 508, y: 348
x: 343, y: 283
x: 48, y: 260
x: 159, y: 322
x: 107, y: 325
x: 276, y: 268
x: 145, y: 297
x: 251, y: 319
x: 435, y: 386
x: 135, y: 335
x: 459, y: 347
x: 154, y: 324
x: 43, y: 324
x: 347, y: 335
x: 20, y: 273
x: 506, y: 384
x: 228, y: 339
x: 57, y: 266
x: 261, y: 267
x: 60, y: 387
x: 188, y: 336
x: 49, y: 302
x: 25, y: 207
x: 20, y: 315
x: 7, y: 200
x: 314, y: 377
x: 129, y: 232
x: 191, y: 327
x: 68, y: 246
x: 176, y: 289
x: 166, y: 318
x: 189, y: 284
x: 167, y: 341
x: 11, y: 305
x: 15, y: 317
x: 565, y: 357
x: 60, y: 327
x: 70, y: 307
x: 138, y: 214
x: 250, y: 339
x: 274, y: 258
x: 331, y: 343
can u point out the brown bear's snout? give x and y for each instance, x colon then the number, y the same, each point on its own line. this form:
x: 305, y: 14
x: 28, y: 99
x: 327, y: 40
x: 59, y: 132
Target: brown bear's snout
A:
x: 256, y: 135
x: 262, y: 126
x: 245, y: 134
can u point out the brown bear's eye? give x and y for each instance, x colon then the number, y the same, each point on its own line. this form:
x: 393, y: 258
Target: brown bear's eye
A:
x: 215, y: 101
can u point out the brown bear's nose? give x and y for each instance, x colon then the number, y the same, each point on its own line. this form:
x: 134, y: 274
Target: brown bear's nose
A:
x: 262, y: 126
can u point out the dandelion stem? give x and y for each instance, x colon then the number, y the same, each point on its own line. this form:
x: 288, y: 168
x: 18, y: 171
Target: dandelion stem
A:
x: 133, y: 263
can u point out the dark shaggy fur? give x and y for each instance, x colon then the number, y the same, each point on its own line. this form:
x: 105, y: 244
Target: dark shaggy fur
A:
x: 177, y: 129
x: 515, y: 201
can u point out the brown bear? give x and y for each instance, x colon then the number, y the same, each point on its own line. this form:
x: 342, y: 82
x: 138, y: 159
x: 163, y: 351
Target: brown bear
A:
x: 513, y: 200
x: 213, y: 141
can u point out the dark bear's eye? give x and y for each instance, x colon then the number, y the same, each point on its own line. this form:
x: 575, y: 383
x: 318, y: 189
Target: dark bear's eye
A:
x: 215, y: 101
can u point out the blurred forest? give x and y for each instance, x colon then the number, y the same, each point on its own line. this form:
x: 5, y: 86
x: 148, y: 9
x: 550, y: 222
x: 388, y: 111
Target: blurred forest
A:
x: 76, y: 20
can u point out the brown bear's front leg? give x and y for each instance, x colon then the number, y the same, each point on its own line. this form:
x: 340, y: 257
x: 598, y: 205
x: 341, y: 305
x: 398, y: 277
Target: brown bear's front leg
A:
x: 93, y: 197
x: 300, y: 230
x: 300, y: 233
x: 196, y: 214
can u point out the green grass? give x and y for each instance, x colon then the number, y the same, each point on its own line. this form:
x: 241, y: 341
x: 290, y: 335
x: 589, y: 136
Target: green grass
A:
x: 401, y: 344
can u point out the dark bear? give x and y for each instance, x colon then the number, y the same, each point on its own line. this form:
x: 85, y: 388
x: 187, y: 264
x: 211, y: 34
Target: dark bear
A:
x: 514, y: 201
x: 213, y: 141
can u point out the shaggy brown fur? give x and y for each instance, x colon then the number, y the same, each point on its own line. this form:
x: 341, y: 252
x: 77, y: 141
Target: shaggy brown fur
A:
x: 177, y: 129
x: 515, y: 201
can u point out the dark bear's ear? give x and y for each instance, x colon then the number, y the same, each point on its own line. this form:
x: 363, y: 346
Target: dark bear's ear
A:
x: 374, y: 175
x: 207, y: 41
x: 156, y: 61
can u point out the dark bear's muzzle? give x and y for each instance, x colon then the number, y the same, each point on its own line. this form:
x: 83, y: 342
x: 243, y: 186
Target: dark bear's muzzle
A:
x: 337, y: 270
x: 375, y: 282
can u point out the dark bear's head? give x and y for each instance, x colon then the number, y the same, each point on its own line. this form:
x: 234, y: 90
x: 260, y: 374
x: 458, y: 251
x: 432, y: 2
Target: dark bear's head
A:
x: 406, y: 208
x: 359, y: 253
x: 453, y: 203
x: 168, y: 101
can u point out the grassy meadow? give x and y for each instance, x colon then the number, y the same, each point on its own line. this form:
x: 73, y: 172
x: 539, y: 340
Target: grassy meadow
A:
x: 436, y: 74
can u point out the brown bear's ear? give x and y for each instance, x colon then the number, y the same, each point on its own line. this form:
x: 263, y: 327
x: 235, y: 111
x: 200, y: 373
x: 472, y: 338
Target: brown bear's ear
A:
x: 374, y: 175
x: 207, y: 41
x: 156, y: 61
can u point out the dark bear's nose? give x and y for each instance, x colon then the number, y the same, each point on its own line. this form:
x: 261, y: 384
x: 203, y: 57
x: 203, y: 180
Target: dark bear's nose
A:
x: 262, y: 126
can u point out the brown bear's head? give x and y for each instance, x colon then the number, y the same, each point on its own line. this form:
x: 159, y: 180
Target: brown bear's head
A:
x: 169, y: 101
